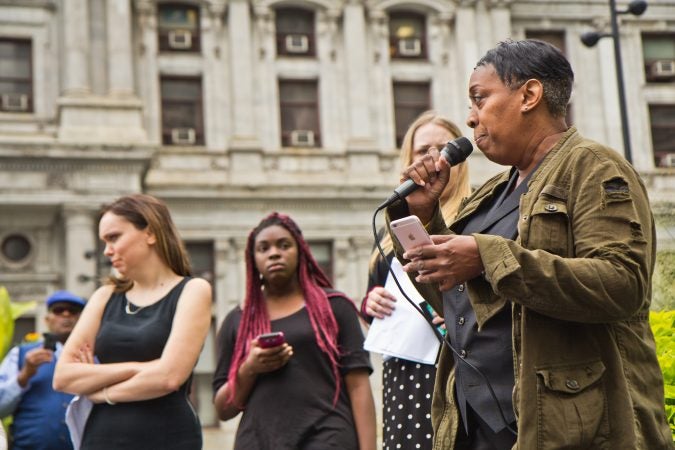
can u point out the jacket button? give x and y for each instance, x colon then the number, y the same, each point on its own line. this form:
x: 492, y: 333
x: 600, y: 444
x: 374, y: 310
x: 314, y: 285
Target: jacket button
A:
x: 460, y: 288
x: 572, y: 384
x: 462, y: 353
x: 460, y: 321
x: 551, y: 207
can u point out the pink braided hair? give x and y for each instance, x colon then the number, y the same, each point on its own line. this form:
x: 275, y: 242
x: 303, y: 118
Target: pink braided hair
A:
x: 255, y: 319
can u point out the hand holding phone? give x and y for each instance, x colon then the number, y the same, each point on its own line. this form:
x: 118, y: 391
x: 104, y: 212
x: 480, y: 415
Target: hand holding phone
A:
x: 429, y: 315
x: 49, y: 342
x: 410, y: 232
x: 273, y: 339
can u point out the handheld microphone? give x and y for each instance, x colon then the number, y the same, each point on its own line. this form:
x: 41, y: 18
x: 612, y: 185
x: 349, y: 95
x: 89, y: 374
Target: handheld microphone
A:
x: 454, y: 153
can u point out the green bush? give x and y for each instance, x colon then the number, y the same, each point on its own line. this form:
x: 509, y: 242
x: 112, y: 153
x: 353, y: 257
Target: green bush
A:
x: 8, y: 314
x: 663, y: 281
x: 663, y: 327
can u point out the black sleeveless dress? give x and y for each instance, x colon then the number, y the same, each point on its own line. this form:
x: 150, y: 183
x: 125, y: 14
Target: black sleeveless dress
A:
x: 167, y: 423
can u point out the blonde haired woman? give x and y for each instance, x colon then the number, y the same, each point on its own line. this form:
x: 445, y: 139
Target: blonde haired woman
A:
x: 407, y: 385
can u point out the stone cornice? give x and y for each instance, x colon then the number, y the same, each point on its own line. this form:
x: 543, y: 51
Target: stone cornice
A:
x: 245, y: 197
x: 65, y: 166
x: 50, y: 158
x: 20, y: 150
x: 499, y: 3
x: 443, y: 7
x: 260, y: 6
x: 46, y: 4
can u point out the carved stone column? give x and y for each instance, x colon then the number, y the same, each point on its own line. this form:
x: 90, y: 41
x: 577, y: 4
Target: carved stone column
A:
x: 80, y: 240
x: 467, y: 40
x: 378, y: 22
x: 225, y: 286
x: 500, y: 17
x: 215, y: 77
x: 264, y: 56
x: 332, y: 96
x: 148, y: 71
x: 241, y: 75
x: 445, y: 87
x: 76, y: 47
x: 120, y: 57
x: 357, y: 67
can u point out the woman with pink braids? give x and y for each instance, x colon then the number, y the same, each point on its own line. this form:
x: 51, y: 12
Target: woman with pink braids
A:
x: 311, y: 392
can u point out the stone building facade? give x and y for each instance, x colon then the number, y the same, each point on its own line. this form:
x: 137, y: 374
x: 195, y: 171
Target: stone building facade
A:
x: 230, y: 109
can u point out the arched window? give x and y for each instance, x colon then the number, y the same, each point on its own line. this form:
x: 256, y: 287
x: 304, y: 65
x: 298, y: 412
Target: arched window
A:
x: 178, y: 28
x: 16, y: 76
x: 295, y: 32
x: 407, y: 35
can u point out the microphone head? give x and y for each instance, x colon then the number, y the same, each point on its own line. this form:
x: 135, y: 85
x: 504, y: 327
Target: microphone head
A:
x: 457, y: 151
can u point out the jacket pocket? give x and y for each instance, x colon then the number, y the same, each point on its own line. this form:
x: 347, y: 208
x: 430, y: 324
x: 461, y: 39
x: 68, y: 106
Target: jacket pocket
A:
x: 572, y: 407
x: 549, y: 222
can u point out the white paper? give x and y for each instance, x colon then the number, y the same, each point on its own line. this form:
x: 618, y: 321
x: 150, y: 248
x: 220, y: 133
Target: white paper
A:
x: 3, y: 438
x: 405, y: 334
x: 77, y: 414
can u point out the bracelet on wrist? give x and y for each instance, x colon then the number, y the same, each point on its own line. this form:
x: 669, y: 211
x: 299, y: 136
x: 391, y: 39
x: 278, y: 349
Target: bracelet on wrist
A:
x: 106, y: 398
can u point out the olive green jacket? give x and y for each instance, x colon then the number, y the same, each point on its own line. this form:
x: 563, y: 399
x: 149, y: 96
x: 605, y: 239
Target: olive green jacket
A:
x: 578, y: 282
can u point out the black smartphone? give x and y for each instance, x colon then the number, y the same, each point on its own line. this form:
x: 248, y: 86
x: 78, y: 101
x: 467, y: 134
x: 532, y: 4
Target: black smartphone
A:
x: 428, y: 312
x: 50, y: 340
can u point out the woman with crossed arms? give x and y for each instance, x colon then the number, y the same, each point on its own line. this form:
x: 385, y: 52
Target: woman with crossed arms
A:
x: 145, y: 328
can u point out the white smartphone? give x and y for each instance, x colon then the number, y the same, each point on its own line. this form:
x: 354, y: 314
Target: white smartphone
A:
x: 410, y: 232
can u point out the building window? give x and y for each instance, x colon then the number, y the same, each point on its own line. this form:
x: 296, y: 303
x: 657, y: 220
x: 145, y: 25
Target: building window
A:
x: 16, y: 247
x: 662, y: 119
x: 659, y: 57
x: 182, y: 116
x: 16, y: 250
x: 295, y: 32
x: 16, y: 76
x: 556, y: 38
x: 407, y: 35
x: 299, y: 107
x: 178, y: 28
x: 323, y: 254
x: 410, y: 100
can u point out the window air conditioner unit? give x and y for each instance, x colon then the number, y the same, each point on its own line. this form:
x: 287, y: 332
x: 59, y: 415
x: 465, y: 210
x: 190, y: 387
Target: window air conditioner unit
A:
x: 409, y: 47
x: 183, y: 136
x: 15, y: 102
x: 297, y: 43
x: 302, y: 138
x: 663, y: 68
x: 180, y: 39
x: 669, y: 160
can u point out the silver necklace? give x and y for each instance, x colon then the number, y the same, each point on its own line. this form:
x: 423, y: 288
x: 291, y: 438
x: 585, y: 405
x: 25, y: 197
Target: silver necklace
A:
x: 127, y: 308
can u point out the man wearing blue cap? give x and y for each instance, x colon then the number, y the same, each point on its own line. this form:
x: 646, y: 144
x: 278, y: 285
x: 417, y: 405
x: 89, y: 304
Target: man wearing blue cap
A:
x: 26, y: 381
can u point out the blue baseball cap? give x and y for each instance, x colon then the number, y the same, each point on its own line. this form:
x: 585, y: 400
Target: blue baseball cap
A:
x: 65, y: 297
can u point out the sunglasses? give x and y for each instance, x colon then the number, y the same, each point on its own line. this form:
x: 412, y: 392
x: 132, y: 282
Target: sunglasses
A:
x: 59, y: 310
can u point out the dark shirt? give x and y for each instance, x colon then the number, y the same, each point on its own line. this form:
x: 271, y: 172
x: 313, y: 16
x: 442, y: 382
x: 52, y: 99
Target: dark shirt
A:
x: 289, y: 407
x: 167, y: 422
x: 490, y: 349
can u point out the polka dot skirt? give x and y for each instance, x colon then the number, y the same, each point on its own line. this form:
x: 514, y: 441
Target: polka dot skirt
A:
x: 408, y: 388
